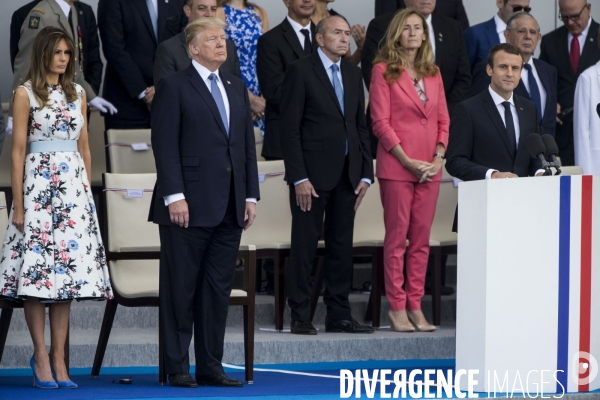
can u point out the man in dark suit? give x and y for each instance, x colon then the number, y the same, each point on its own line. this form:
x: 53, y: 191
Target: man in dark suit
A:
x: 90, y: 42
x: 482, y: 37
x: 130, y: 31
x: 449, y: 8
x: 570, y: 58
x: 329, y: 168
x: 538, y: 80
x: 172, y: 56
x: 280, y: 46
x: 487, y: 132
x: 449, y: 49
x: 206, y: 190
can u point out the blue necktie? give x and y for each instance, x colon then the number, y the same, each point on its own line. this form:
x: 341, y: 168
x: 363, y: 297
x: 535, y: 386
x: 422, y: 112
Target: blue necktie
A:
x: 534, y: 91
x: 153, y: 17
x: 339, y: 91
x: 216, y: 94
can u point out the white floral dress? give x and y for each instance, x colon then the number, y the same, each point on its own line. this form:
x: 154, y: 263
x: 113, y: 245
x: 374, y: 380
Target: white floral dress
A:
x: 60, y: 255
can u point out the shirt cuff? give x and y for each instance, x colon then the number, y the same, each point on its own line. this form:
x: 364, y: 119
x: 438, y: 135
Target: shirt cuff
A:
x: 173, y: 198
x: 300, y: 181
x: 488, y: 174
x: 367, y: 180
x: 142, y: 95
x: 251, y: 200
x: 538, y: 171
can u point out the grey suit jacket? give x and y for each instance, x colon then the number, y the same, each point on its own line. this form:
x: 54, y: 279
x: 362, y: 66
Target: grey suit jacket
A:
x: 171, y: 56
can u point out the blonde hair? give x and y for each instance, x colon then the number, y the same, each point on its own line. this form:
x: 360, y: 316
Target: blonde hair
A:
x: 195, y: 29
x: 42, y: 57
x: 393, y: 54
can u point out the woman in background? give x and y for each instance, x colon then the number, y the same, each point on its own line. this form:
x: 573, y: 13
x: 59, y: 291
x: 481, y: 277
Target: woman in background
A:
x: 246, y: 22
x: 358, y: 31
x: 410, y: 119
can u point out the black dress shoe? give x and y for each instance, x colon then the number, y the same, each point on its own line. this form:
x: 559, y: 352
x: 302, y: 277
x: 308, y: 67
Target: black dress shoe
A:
x: 348, y: 326
x: 182, y: 380
x: 218, y: 380
x: 445, y: 290
x: 303, y: 328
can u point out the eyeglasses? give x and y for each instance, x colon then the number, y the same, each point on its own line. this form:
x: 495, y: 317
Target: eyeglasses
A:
x: 521, y: 8
x: 574, y: 17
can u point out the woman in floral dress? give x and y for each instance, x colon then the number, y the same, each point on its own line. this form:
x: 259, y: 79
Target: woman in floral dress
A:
x: 246, y: 22
x: 52, y: 251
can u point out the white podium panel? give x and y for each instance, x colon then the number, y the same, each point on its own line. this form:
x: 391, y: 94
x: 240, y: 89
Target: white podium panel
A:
x: 528, y: 295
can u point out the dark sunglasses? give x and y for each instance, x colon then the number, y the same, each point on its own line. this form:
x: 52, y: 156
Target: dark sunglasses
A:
x: 521, y: 8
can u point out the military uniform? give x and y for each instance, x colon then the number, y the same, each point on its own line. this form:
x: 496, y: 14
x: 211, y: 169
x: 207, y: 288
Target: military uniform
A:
x: 48, y: 13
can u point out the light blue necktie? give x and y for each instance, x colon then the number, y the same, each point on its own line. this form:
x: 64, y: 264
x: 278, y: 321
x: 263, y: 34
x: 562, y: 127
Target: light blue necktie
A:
x: 339, y: 91
x: 216, y: 93
x: 153, y: 17
x: 534, y: 90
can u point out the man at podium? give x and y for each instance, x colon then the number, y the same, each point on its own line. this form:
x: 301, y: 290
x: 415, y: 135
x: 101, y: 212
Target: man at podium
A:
x: 487, y: 131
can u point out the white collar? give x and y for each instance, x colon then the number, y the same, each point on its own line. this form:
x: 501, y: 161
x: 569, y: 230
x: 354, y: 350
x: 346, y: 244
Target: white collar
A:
x: 428, y: 20
x: 64, y: 6
x: 499, y: 99
x: 500, y: 25
x: 327, y: 63
x: 205, y: 72
x: 296, y: 25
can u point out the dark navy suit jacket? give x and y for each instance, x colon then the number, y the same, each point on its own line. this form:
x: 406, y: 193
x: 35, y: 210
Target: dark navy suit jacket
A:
x: 480, y: 39
x: 194, y: 154
x: 548, y: 78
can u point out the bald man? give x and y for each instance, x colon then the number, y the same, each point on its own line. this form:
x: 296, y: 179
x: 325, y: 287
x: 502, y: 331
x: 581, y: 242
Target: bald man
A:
x: 571, y: 49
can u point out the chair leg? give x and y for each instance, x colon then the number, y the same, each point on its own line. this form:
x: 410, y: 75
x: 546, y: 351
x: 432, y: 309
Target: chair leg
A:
x: 248, y: 312
x: 107, y: 322
x: 5, y: 318
x: 376, y: 286
x: 436, y: 292
x: 162, y: 375
x: 279, y: 276
x: 317, y: 286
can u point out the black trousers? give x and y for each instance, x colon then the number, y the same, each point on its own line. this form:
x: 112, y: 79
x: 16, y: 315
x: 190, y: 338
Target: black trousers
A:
x: 337, y: 206
x: 197, y: 267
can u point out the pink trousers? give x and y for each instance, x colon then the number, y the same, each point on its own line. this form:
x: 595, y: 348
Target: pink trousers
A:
x: 408, y: 210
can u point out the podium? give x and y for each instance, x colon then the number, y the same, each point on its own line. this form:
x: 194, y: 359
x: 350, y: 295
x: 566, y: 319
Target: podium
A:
x: 528, y: 290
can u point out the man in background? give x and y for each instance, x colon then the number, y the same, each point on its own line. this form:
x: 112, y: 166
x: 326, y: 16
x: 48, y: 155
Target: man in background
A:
x: 571, y: 49
x: 450, y: 8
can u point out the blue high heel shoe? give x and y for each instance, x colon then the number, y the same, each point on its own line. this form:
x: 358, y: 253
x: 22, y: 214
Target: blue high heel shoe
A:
x: 62, y: 384
x: 37, y: 382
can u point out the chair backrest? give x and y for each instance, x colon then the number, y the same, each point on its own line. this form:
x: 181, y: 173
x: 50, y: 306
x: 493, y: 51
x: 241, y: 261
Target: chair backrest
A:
x: 123, y: 158
x: 259, y: 144
x: 572, y: 170
x: 368, y: 222
x: 127, y: 218
x: 441, y: 230
x: 5, y: 165
x: 96, y: 143
x: 273, y: 223
x: 3, y: 217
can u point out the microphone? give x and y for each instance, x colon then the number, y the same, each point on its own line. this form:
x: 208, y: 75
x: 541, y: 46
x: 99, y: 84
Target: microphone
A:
x: 552, y: 151
x: 598, y: 109
x: 537, y: 149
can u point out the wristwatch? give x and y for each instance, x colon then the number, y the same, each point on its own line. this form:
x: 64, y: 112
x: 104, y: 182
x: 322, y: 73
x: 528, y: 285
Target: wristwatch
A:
x: 439, y: 155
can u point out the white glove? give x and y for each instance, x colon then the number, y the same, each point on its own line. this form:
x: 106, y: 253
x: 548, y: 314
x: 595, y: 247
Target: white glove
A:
x: 103, y: 105
x: 9, y: 125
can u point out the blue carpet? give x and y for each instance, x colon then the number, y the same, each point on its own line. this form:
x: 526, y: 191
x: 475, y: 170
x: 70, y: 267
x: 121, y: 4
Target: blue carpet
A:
x: 17, y: 384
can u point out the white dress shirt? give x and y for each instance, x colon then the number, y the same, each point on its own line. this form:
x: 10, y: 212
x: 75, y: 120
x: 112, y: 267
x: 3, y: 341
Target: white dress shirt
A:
x: 500, y: 28
x: 431, y: 35
x: 65, y: 7
x: 525, y: 78
x: 581, y: 38
x: 204, y: 74
x: 327, y: 63
x: 297, y: 27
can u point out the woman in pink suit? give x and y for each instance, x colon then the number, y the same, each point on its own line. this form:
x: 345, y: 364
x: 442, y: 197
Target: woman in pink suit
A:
x: 410, y: 119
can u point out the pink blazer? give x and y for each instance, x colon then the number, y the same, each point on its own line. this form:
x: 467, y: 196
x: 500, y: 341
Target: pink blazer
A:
x: 399, y: 116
